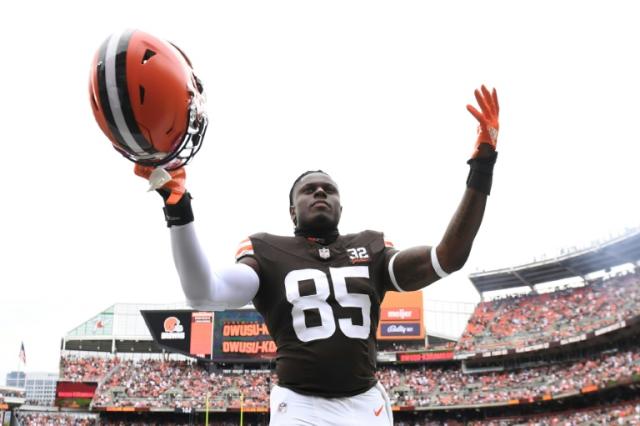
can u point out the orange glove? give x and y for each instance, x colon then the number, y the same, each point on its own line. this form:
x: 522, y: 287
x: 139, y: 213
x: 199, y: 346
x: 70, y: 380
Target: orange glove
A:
x: 172, y: 182
x: 488, y: 118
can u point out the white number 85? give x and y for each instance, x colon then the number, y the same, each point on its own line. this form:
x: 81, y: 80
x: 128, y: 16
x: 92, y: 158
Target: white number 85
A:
x: 319, y: 301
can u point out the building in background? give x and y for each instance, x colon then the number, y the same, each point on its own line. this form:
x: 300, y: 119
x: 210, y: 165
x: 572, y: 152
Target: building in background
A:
x: 16, y: 379
x: 40, y: 388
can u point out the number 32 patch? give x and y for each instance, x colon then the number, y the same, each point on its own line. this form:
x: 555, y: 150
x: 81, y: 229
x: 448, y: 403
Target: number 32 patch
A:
x: 358, y: 255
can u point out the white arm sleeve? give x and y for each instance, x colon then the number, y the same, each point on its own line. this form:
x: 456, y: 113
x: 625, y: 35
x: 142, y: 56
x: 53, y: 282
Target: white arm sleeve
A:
x: 231, y: 287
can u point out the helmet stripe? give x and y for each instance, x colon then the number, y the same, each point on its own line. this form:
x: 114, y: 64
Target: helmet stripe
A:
x: 123, y: 94
x: 104, y: 97
x: 113, y: 95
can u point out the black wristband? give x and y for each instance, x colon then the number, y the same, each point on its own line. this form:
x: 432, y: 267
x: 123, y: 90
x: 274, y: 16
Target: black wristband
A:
x: 481, y: 172
x: 179, y: 213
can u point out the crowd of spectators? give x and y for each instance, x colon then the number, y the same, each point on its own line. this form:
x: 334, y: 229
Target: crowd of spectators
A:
x: 499, y: 324
x: 55, y: 419
x: 180, y: 384
x: 160, y: 420
x: 531, y: 319
x: 428, y: 387
x: 393, y: 346
x: 625, y: 413
x: 613, y: 414
x: 85, y: 369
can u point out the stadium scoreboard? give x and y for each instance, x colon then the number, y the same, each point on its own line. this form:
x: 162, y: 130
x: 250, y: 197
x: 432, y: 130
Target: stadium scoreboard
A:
x: 233, y: 335
x: 241, y: 335
x: 76, y: 395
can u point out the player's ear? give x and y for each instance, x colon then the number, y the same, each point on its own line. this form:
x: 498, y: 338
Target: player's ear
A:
x: 292, y: 213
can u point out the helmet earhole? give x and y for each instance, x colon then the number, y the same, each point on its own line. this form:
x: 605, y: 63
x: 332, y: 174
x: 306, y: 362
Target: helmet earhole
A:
x: 141, y: 95
x: 148, y: 54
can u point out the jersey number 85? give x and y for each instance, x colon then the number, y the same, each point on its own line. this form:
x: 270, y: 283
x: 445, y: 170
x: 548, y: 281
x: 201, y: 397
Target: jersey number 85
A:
x: 319, y: 301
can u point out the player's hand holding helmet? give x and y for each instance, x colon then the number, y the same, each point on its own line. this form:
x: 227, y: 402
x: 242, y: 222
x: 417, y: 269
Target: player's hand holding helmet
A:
x: 148, y: 101
x: 169, y: 184
x: 484, y: 153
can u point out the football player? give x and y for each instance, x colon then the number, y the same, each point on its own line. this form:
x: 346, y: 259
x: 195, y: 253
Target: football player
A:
x: 320, y: 292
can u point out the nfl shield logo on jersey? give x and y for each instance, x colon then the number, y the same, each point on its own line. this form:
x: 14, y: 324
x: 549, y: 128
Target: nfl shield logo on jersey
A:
x: 324, y: 253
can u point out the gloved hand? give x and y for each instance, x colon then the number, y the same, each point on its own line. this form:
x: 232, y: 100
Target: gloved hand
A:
x: 488, y: 119
x: 169, y: 184
x: 484, y: 153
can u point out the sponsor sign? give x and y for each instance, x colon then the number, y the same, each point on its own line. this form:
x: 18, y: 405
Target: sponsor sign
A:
x: 400, y: 314
x: 74, y: 394
x: 386, y: 357
x: 573, y: 339
x: 610, y: 328
x: 425, y: 356
x: 401, y: 329
x: 532, y: 348
x: 464, y: 355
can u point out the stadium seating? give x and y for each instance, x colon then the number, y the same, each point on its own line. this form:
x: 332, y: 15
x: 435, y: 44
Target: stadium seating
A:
x: 611, y: 414
x: 85, y: 369
x: 429, y: 387
x: 177, y: 384
x: 62, y: 419
x: 500, y: 324
x: 156, y: 383
x: 527, y: 320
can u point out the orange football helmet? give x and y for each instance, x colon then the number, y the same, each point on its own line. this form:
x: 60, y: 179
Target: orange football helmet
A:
x: 147, y: 100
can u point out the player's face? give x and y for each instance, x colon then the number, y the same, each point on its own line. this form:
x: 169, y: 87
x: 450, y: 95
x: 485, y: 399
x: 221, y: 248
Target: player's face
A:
x: 316, y: 203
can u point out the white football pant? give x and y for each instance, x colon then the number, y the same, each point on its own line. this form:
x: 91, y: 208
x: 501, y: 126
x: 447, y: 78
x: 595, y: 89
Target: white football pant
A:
x: 371, y: 408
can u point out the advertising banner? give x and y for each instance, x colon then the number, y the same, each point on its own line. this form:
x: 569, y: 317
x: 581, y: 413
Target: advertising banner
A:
x: 401, y: 317
x: 400, y: 314
x: 425, y: 356
x: 74, y: 394
x: 400, y: 329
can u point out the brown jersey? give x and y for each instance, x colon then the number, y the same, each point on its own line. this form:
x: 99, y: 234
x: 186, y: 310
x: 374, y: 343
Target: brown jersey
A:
x: 321, y: 304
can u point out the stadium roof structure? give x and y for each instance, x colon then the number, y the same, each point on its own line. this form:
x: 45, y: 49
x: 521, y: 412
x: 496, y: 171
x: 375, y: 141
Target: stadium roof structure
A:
x: 119, y: 328
x: 608, y: 254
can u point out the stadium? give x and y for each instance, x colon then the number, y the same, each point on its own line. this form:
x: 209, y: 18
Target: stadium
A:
x: 567, y: 355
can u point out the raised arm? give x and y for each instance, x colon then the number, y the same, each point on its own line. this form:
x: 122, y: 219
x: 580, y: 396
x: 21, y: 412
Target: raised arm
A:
x: 205, y: 288
x: 418, y: 267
